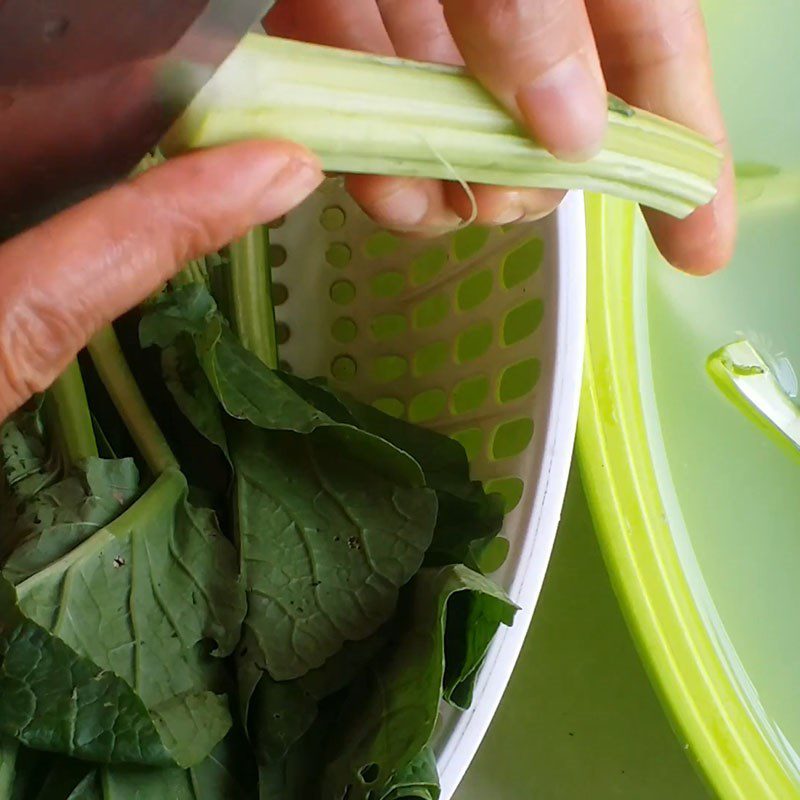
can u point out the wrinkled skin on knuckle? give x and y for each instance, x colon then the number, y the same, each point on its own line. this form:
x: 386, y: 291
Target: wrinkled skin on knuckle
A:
x: 178, y: 233
x: 38, y: 338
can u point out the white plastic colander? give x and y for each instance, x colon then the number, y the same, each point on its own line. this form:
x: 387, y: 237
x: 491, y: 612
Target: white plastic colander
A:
x: 479, y: 335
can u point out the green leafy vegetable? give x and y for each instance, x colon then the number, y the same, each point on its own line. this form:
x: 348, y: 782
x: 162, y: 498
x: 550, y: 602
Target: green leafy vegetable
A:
x: 66, y: 780
x: 249, y: 390
x: 468, y: 518
x: 27, y: 468
x: 129, y: 610
x: 224, y: 775
x: 394, y: 712
x: 326, y: 535
x: 280, y: 713
x: 8, y: 763
x: 52, y: 505
x: 61, y: 516
x: 325, y: 542
x: 323, y: 580
x: 418, y: 781
x: 192, y: 392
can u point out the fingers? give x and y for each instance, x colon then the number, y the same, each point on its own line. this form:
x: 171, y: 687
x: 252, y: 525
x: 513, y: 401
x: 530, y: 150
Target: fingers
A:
x: 539, y: 58
x: 351, y: 24
x: 497, y: 205
x: 412, y: 206
x: 64, y: 280
x: 419, y: 30
x: 405, y: 205
x: 655, y: 55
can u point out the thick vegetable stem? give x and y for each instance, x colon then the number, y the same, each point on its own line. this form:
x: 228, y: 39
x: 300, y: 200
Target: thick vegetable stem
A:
x: 111, y: 365
x: 370, y: 114
x: 251, y: 295
x: 68, y: 417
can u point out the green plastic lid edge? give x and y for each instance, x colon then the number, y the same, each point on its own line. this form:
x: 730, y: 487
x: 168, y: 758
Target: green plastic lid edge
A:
x: 720, y: 735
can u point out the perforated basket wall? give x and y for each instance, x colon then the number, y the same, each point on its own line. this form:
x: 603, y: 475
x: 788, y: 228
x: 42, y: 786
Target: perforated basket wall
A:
x: 478, y: 335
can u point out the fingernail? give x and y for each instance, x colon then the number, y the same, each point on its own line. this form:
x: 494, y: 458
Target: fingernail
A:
x: 513, y: 212
x: 522, y: 217
x: 566, y: 109
x: 403, y: 207
x: 529, y: 206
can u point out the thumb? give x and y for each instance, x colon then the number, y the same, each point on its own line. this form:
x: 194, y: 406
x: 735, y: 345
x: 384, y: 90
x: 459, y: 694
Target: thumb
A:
x: 64, y: 280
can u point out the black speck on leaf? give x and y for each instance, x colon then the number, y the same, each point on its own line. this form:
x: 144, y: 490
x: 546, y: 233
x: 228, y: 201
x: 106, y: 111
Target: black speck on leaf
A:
x: 119, y: 561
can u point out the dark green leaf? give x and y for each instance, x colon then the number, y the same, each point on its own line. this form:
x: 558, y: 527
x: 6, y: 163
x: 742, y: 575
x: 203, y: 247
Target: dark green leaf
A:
x: 25, y: 469
x: 224, y: 775
x: 246, y: 388
x: 67, y: 779
x: 468, y: 518
x: 52, y: 699
x: 192, y: 392
x: 296, y: 777
x: 418, y: 781
x: 280, y: 714
x: 465, y: 527
x: 249, y: 390
x: 394, y: 714
x: 61, y: 516
x: 30, y: 773
x: 8, y: 766
x: 130, y: 609
x: 27, y: 466
x: 325, y: 542
x: 185, y: 311
x: 472, y: 623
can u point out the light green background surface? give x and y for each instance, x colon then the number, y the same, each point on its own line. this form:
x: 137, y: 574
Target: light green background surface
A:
x: 579, y: 720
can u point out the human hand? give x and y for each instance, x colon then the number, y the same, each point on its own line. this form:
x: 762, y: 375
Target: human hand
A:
x: 551, y: 63
x: 64, y: 280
